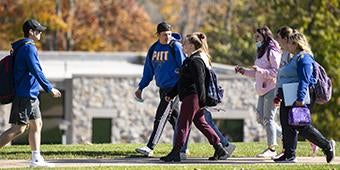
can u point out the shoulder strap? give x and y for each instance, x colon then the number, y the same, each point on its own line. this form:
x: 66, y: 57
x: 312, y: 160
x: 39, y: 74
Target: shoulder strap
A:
x: 172, y: 50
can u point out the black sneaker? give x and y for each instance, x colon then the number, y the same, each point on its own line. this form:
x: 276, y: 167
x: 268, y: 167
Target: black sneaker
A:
x: 330, y: 153
x: 285, y: 159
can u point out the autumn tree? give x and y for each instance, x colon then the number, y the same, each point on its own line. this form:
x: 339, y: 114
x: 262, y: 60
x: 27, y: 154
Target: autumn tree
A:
x: 86, y: 25
x: 230, y: 34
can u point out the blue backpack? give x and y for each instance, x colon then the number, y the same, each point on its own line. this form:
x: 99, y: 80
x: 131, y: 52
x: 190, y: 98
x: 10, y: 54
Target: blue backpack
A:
x: 7, y: 88
x: 214, y: 92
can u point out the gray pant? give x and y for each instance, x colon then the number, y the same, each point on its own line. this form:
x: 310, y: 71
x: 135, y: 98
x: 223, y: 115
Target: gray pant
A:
x: 266, y: 112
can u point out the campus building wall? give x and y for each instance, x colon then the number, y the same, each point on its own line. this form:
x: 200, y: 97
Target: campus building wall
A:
x: 132, y: 122
x: 101, y: 85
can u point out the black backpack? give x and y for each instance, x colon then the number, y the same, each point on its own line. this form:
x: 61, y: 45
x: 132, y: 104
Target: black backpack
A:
x: 7, y: 88
x: 214, y: 92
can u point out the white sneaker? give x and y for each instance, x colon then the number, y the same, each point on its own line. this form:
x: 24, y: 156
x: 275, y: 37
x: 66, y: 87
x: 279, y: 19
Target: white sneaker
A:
x: 184, y: 155
x: 278, y: 155
x: 230, y: 149
x: 146, y: 151
x: 40, y: 162
x: 266, y: 153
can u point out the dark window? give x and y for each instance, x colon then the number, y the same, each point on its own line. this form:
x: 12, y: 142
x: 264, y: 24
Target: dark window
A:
x: 101, y: 130
x: 232, y: 129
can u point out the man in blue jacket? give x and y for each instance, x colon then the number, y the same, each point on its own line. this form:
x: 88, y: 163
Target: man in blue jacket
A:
x: 163, y: 60
x: 28, y: 78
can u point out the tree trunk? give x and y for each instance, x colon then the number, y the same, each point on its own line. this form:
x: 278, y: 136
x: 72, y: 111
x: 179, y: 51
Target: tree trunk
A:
x: 70, y: 20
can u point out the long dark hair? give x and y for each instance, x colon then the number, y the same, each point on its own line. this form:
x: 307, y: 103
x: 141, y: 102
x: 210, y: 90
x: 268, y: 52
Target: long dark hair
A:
x: 268, y: 41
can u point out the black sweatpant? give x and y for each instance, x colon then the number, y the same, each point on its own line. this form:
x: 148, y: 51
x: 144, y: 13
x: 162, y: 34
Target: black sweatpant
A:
x: 162, y: 117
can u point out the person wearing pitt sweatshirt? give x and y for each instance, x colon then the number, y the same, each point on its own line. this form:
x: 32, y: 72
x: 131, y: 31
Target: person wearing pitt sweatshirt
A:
x: 163, y: 60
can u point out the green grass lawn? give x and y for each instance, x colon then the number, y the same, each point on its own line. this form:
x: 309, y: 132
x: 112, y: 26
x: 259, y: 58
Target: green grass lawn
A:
x: 110, y: 151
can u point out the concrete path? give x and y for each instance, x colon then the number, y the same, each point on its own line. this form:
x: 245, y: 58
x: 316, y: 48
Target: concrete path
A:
x: 157, y: 162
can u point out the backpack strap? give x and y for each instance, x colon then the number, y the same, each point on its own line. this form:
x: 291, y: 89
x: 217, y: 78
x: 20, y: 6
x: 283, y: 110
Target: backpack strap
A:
x: 172, y: 50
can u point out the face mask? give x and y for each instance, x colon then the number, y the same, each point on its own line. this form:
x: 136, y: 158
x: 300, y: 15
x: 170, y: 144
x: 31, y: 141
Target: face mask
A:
x: 258, y: 44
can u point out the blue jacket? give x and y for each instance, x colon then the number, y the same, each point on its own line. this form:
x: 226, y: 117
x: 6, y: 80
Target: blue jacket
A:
x: 160, y: 63
x: 28, y: 75
x: 299, y: 69
x: 305, y: 75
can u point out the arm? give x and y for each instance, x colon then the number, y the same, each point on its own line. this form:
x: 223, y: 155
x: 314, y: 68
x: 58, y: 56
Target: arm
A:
x: 179, y: 54
x: 243, y: 71
x: 274, y: 59
x: 305, y: 73
x: 249, y: 73
x: 34, y: 68
x: 198, y: 70
x: 148, y: 71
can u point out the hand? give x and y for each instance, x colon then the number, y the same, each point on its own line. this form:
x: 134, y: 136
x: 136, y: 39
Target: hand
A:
x: 239, y: 69
x: 254, y: 67
x: 55, y: 93
x: 298, y: 103
x: 277, y: 101
x: 167, y: 98
x: 138, y: 95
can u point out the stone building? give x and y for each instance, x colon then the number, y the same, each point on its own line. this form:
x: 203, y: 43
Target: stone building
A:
x: 98, y: 100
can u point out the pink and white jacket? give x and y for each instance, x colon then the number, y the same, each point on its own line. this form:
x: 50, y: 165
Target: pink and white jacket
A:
x: 266, y: 73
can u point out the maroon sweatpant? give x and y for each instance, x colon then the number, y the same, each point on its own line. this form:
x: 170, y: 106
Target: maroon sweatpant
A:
x: 191, y: 112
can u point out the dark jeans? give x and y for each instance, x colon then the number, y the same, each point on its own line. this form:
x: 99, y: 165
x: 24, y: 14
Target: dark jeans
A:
x: 290, y: 133
x: 209, y: 120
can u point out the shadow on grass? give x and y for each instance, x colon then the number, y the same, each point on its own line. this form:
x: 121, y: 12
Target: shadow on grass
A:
x: 154, y: 161
x: 83, y: 154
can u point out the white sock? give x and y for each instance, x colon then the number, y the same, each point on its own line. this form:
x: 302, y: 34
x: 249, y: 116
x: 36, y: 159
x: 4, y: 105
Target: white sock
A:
x: 35, y: 155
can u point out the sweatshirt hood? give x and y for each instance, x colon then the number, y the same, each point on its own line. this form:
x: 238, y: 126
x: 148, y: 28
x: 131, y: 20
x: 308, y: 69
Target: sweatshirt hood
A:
x: 176, y: 36
x: 21, y: 42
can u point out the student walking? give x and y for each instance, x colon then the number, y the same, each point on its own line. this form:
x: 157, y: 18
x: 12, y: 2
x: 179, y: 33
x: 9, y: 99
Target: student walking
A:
x: 191, y: 91
x: 162, y: 63
x: 300, y: 70
x: 265, y: 72
x: 28, y: 78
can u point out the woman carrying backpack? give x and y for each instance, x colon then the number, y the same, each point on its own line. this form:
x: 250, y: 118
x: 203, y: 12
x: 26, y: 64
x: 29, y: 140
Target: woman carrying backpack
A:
x: 299, y: 69
x: 265, y: 72
x: 191, y: 90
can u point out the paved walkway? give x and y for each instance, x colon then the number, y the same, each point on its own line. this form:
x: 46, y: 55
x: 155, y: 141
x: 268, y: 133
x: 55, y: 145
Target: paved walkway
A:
x: 157, y: 162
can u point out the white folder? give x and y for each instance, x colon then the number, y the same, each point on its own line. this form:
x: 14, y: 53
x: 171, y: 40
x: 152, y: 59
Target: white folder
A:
x: 290, y: 94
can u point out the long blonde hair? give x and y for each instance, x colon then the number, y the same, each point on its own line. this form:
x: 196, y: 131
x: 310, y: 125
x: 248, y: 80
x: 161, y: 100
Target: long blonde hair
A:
x: 199, y: 40
x: 301, y: 41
